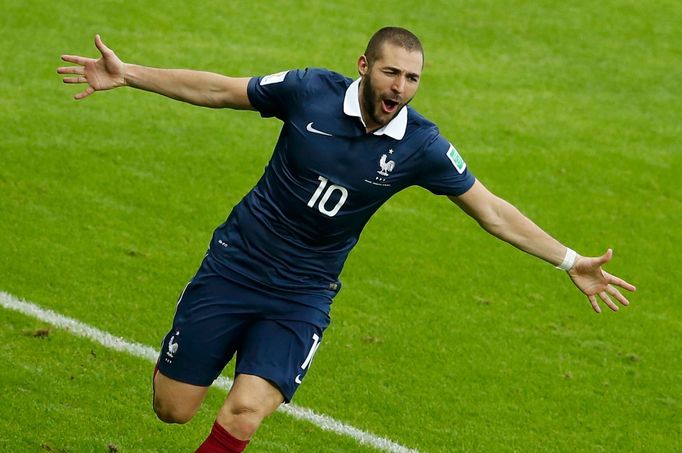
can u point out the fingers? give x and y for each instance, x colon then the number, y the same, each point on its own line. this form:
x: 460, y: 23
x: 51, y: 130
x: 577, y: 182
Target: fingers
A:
x: 607, y: 300
x: 87, y: 92
x: 606, y: 257
x: 76, y: 59
x: 604, y: 296
x: 603, y: 285
x: 619, y: 282
x: 71, y: 70
x: 78, y: 70
x: 615, y: 293
x: 104, y: 50
x: 75, y: 80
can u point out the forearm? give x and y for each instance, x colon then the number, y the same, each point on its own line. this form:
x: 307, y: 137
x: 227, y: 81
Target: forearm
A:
x: 195, y: 87
x: 510, y: 225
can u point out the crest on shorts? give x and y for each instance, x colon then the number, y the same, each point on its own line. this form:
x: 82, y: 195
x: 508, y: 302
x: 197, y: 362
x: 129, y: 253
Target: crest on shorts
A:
x: 172, y: 346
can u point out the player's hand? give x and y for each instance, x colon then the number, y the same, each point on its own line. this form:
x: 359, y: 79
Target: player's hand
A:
x: 593, y: 281
x: 105, y: 73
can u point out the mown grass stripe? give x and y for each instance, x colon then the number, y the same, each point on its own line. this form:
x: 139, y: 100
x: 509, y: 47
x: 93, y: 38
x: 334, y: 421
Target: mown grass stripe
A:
x: 110, y: 341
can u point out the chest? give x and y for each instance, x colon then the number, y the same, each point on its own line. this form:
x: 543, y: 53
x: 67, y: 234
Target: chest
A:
x: 371, y: 166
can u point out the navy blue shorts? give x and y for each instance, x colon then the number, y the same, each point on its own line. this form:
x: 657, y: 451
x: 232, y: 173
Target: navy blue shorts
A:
x: 274, y: 337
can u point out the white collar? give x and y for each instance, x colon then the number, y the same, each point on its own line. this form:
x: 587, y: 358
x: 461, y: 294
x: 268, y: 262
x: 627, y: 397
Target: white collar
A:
x: 351, y: 107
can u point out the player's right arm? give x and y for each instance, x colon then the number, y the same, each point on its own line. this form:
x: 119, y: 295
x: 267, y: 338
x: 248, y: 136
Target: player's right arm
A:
x: 206, y: 89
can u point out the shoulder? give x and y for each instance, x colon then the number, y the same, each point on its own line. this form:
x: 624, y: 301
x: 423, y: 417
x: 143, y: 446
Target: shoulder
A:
x: 431, y: 147
x: 296, y: 84
x: 307, y: 77
x: 421, y: 130
x: 417, y: 120
x: 320, y: 79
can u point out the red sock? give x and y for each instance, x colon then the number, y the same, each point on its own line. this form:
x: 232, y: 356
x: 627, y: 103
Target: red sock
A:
x: 220, y: 441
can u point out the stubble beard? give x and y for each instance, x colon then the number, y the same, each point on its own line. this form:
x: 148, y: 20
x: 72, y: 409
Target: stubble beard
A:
x: 371, y: 102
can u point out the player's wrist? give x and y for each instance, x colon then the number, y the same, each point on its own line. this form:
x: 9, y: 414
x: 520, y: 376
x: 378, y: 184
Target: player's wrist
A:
x: 127, y: 70
x: 569, y: 260
x: 136, y: 76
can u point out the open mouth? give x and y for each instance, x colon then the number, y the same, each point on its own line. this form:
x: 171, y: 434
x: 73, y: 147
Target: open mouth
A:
x: 389, y: 105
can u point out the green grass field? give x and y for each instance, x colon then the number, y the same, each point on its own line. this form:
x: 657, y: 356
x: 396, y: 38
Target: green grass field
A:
x: 443, y: 338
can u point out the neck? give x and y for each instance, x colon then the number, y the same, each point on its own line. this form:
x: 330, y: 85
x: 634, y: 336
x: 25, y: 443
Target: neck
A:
x: 367, y: 121
x: 371, y: 128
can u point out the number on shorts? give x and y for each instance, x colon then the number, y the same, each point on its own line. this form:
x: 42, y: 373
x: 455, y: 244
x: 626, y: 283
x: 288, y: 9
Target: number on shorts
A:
x: 313, y: 350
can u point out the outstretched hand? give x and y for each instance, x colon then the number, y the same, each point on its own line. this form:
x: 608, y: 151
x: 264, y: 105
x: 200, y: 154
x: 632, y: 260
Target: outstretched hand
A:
x: 593, y: 281
x: 105, y: 73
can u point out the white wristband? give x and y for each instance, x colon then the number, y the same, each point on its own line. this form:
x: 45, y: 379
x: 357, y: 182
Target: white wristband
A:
x: 569, y: 260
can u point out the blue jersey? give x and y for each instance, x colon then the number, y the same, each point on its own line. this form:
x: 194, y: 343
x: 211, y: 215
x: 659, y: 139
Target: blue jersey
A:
x: 293, y: 231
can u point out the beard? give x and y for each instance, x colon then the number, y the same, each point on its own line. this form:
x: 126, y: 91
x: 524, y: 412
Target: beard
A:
x: 371, y: 102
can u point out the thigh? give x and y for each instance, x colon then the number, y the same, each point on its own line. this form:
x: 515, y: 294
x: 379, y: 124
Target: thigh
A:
x: 207, y: 329
x: 279, y: 351
x: 175, y: 401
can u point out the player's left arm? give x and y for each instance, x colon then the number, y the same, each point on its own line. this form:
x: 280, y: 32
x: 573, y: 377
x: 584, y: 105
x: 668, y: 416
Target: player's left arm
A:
x: 504, y: 221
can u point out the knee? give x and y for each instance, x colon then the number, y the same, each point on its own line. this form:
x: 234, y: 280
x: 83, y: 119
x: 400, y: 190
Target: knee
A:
x: 170, y: 413
x: 174, y: 401
x: 242, y: 417
x: 250, y: 400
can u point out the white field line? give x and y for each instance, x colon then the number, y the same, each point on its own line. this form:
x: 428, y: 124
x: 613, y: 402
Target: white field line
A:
x: 110, y: 341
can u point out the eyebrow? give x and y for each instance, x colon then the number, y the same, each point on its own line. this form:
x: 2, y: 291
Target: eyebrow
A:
x: 396, y: 69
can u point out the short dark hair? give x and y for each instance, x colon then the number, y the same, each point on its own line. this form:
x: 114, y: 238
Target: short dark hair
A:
x: 395, y: 35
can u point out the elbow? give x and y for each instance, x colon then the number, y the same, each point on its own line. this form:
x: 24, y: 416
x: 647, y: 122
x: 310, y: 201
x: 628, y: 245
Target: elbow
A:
x: 499, y: 219
x: 493, y: 222
x: 494, y: 227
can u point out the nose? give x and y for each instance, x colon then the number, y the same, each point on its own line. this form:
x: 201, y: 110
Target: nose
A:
x: 398, y: 85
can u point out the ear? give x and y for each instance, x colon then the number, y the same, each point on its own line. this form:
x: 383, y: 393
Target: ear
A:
x: 363, y: 65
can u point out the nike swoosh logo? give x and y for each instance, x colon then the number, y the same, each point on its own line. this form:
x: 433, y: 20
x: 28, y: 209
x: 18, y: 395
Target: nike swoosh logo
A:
x: 310, y: 128
x: 298, y: 377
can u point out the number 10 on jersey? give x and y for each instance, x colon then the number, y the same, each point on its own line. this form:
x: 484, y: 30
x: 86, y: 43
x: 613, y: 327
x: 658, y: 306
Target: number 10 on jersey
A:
x: 328, y: 191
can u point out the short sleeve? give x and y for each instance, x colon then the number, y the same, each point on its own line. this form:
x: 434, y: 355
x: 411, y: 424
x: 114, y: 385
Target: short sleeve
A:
x: 442, y: 170
x: 275, y: 94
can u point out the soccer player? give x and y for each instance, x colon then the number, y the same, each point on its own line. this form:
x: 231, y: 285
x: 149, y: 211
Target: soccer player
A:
x: 264, y: 289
